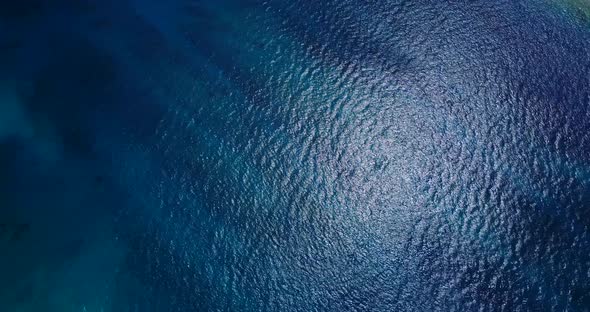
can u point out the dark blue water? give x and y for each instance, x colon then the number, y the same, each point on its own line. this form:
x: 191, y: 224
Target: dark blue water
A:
x: 294, y: 156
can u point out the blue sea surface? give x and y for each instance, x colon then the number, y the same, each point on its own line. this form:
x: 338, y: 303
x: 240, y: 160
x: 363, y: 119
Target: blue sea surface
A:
x: 334, y: 155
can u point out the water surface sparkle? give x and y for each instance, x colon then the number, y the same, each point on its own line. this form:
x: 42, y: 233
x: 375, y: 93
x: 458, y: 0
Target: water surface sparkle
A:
x: 294, y: 155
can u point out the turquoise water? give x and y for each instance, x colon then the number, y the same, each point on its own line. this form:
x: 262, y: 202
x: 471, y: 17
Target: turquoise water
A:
x: 294, y: 156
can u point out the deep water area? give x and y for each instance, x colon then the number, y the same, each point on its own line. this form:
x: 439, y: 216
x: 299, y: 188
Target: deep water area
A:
x: 335, y: 155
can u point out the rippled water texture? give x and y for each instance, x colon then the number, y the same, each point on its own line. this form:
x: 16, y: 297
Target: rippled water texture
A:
x: 294, y: 155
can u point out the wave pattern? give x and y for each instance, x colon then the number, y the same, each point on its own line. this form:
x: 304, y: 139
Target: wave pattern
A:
x: 294, y: 155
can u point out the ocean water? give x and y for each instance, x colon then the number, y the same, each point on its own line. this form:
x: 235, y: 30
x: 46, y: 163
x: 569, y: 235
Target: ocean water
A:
x: 241, y: 155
